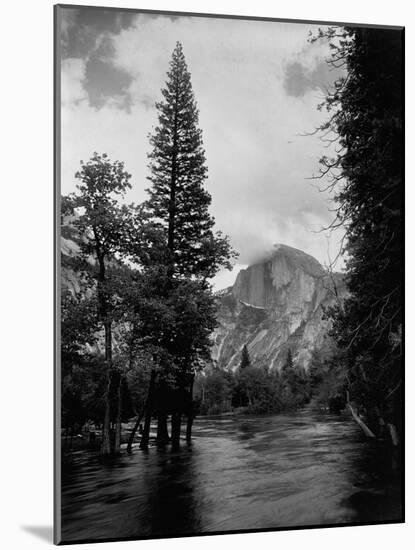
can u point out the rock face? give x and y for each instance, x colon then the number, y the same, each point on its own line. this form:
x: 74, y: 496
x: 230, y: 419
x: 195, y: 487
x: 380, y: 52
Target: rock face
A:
x: 275, y: 305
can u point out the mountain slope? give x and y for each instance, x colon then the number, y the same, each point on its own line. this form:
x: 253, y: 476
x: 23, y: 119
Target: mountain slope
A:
x: 275, y: 305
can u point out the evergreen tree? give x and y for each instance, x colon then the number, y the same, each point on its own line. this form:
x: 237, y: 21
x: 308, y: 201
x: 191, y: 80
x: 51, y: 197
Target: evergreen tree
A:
x: 367, y: 116
x: 245, y: 359
x: 289, y: 362
x: 178, y: 205
x: 287, y: 373
x: 294, y: 382
x: 177, y: 198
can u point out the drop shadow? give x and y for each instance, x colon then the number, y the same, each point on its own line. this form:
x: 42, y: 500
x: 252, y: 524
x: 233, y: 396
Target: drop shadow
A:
x: 43, y: 532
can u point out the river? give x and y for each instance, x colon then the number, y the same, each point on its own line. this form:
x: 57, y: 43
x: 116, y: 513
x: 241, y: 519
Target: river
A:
x: 300, y: 469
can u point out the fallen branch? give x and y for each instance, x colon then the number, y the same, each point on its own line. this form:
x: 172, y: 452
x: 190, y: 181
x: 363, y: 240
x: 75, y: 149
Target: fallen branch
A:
x: 366, y: 430
x: 394, y: 435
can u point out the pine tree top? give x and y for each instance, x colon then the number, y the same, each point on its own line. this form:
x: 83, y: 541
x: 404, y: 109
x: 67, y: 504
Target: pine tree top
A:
x: 289, y: 362
x: 245, y: 359
x: 178, y: 199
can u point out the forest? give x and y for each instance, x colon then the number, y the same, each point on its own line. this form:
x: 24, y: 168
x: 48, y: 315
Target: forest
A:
x: 137, y: 303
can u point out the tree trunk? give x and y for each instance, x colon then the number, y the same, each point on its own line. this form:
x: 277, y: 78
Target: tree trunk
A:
x: 149, y: 410
x: 106, y: 428
x: 162, y: 431
x: 117, y: 440
x: 393, y: 435
x: 172, y: 199
x: 190, y: 412
x: 249, y: 398
x: 176, y: 421
x: 366, y: 430
x: 146, y: 431
x: 103, y: 313
x: 189, y: 427
x: 134, y: 431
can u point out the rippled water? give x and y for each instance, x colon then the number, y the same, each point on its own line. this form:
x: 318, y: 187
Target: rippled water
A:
x: 240, y: 473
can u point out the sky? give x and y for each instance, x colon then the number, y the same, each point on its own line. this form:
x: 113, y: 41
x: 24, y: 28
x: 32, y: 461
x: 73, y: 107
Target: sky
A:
x: 257, y: 84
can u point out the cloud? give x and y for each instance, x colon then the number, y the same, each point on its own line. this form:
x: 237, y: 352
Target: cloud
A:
x: 87, y: 35
x: 73, y: 74
x: 299, y: 79
x: 105, y: 83
x: 307, y: 70
x: 253, y: 125
x: 80, y: 28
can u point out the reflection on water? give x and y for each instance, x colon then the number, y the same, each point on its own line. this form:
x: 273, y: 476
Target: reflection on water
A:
x: 298, y: 469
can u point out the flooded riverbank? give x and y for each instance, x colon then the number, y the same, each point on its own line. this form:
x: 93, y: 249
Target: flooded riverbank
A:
x: 299, y: 469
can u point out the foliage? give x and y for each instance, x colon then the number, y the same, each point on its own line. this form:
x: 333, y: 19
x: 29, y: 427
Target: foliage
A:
x: 252, y: 389
x: 83, y: 386
x: 102, y: 221
x: 294, y: 383
x: 245, y: 360
x: 83, y: 380
x: 78, y: 323
x: 191, y: 253
x: 213, y: 391
x: 366, y: 123
x: 103, y: 227
x: 178, y: 201
x: 328, y: 376
x: 259, y: 390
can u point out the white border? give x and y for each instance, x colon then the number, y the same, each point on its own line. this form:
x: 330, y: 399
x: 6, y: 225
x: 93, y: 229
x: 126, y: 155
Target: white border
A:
x: 27, y: 281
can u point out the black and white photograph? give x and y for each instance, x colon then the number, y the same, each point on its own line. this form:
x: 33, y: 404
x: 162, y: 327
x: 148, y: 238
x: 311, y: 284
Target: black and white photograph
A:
x: 229, y: 295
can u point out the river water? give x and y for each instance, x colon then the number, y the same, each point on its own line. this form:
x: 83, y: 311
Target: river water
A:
x: 299, y: 469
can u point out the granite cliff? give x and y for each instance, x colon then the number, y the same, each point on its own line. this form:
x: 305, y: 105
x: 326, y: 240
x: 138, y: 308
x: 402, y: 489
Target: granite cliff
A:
x: 275, y: 305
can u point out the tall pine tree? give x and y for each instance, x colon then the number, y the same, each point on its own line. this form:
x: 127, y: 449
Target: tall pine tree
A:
x: 179, y: 205
x: 245, y: 359
x: 178, y: 198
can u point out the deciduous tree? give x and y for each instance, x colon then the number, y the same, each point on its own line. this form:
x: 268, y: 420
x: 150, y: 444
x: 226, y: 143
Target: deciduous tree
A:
x: 102, y: 224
